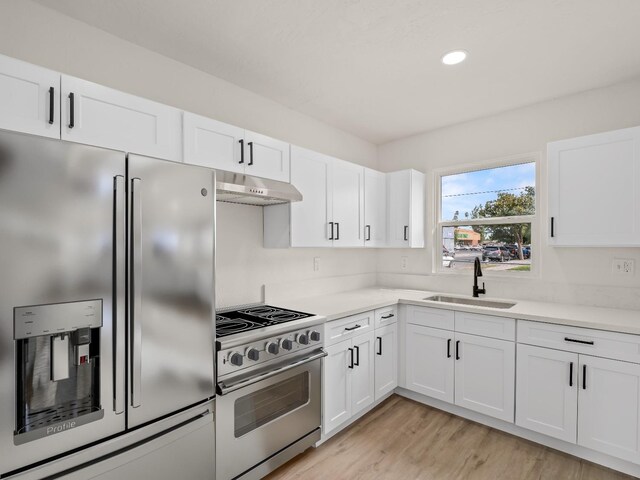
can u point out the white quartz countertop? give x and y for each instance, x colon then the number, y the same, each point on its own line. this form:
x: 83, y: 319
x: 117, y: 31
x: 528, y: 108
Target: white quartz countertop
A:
x: 340, y: 305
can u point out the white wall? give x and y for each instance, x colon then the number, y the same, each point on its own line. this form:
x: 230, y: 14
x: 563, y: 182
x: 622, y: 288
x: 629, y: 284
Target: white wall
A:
x: 566, y: 275
x: 36, y: 34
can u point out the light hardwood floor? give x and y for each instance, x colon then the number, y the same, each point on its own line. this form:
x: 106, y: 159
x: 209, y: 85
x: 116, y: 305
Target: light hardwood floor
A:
x: 402, y: 439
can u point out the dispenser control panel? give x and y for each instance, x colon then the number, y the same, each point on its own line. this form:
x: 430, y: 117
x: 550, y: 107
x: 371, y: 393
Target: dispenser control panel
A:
x: 37, y: 320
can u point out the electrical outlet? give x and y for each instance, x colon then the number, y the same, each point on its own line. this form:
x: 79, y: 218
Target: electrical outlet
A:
x: 404, y: 261
x: 624, y: 266
x: 316, y: 264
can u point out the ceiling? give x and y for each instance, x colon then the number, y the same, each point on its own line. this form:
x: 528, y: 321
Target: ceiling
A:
x: 372, y: 67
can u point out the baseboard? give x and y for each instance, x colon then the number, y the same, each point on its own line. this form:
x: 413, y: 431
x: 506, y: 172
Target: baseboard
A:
x: 352, y: 420
x: 575, y: 450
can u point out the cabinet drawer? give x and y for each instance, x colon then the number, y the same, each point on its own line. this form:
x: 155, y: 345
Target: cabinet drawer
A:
x: 486, y: 325
x: 345, y: 328
x: 386, y: 316
x: 430, y: 317
x: 599, y: 343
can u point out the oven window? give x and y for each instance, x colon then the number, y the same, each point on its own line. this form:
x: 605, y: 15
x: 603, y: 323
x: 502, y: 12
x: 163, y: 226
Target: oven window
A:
x: 261, y: 407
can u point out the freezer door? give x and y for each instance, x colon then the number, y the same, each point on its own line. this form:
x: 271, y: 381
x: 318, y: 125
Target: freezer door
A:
x: 61, y: 213
x: 171, y: 316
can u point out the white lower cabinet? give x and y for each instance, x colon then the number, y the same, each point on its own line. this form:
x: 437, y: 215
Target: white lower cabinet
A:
x: 386, y: 360
x: 547, y: 392
x: 348, y: 380
x: 485, y: 375
x: 429, y: 362
x: 609, y: 407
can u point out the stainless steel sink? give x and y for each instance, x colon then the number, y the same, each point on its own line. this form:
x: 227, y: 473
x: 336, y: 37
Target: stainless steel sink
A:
x: 477, y: 302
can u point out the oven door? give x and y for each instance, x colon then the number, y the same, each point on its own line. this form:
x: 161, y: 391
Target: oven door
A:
x: 265, y: 414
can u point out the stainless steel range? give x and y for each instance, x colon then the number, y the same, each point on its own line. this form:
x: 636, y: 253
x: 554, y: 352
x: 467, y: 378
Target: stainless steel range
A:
x: 269, y: 382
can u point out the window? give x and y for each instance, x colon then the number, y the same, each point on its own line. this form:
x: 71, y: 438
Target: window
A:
x: 490, y: 214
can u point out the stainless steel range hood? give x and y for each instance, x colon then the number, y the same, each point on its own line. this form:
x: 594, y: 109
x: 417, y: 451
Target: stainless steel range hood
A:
x: 247, y: 190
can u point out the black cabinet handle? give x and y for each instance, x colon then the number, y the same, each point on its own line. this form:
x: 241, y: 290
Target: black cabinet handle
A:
x: 406, y: 232
x: 457, y: 349
x: 391, y: 315
x: 368, y: 232
x: 584, y: 342
x: 584, y: 377
x: 250, y: 153
x: 337, y: 231
x: 379, y: 345
x: 449, y: 348
x: 357, y: 362
x: 51, y: 104
x: 72, y: 120
x: 351, y: 358
x: 552, y: 226
x: 355, y: 327
x: 241, y: 142
x: 331, y: 224
x: 571, y: 374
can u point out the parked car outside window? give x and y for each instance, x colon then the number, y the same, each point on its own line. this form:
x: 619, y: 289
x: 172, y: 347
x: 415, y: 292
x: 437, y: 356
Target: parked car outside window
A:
x: 496, y: 253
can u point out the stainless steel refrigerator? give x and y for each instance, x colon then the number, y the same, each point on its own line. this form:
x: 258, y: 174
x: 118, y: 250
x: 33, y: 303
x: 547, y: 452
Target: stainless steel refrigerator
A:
x: 106, y: 313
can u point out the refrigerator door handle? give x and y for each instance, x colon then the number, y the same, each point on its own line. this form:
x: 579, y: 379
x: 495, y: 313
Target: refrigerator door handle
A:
x: 119, y: 294
x: 136, y: 292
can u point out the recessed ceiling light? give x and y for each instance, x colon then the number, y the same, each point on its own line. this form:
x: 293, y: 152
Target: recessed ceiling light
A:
x: 454, y: 57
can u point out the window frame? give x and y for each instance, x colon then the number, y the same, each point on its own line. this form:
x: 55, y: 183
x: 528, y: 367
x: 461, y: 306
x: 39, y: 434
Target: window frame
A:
x: 437, y: 267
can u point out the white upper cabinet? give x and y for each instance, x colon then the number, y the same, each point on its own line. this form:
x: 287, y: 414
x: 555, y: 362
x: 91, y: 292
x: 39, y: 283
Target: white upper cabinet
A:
x: 218, y: 145
x: 406, y: 200
x: 213, y: 144
x: 312, y: 175
x: 266, y: 157
x: 348, y: 204
x: 97, y: 115
x: 29, y: 98
x: 594, y: 190
x: 375, y: 208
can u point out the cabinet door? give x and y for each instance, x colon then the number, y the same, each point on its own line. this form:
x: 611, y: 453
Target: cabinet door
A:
x: 311, y: 175
x: 108, y: 118
x: 213, y: 144
x: 266, y: 157
x: 375, y: 208
x: 594, y: 189
x: 609, y: 407
x: 429, y: 361
x: 348, y: 204
x: 547, y: 391
x: 30, y: 98
x: 363, y: 383
x: 386, y: 359
x: 398, y: 185
x: 485, y: 375
x: 336, y: 385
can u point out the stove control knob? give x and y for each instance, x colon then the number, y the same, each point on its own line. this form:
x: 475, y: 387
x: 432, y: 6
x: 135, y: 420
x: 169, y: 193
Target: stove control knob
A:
x: 287, y: 344
x: 273, y: 348
x: 253, y: 354
x: 235, y: 359
x: 302, y: 339
x: 314, y: 336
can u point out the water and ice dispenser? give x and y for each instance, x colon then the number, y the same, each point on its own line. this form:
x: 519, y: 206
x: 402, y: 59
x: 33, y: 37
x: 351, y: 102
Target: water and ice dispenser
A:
x: 58, y: 367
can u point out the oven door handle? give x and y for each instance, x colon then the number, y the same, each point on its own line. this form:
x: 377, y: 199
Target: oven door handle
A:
x: 224, y: 388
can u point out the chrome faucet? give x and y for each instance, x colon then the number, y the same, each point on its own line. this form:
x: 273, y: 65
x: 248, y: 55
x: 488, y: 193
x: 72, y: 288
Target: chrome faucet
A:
x: 477, y: 272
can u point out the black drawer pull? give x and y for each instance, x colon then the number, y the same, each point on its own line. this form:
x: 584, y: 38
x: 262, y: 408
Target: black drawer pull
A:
x: 552, y: 227
x: 584, y: 377
x: 351, y: 357
x: 241, y: 142
x: 357, y: 362
x: 368, y: 233
x: 406, y: 233
x: 379, y: 345
x: 355, y: 327
x: 584, y: 342
x: 250, y: 153
x: 337, y: 231
x: 51, y: 104
x: 449, y: 348
x: 457, y: 349
x: 331, y: 237
x: 388, y: 316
